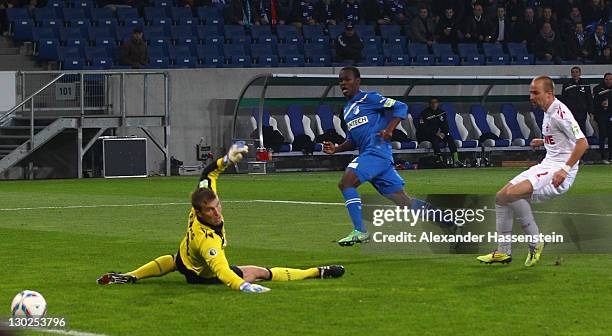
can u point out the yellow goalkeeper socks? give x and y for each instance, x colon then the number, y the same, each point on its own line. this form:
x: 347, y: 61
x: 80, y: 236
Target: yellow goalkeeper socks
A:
x: 158, y: 267
x: 289, y: 274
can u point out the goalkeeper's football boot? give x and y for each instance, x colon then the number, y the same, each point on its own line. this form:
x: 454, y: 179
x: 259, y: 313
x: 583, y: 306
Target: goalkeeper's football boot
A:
x: 354, y: 237
x: 495, y: 257
x: 331, y: 271
x: 116, y: 278
x: 534, y: 254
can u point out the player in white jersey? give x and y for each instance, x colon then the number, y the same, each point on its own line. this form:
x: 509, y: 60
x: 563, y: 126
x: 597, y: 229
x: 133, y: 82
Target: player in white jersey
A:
x: 565, y: 144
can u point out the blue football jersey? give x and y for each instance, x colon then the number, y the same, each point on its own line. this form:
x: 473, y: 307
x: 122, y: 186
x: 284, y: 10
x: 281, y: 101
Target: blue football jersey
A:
x: 367, y: 114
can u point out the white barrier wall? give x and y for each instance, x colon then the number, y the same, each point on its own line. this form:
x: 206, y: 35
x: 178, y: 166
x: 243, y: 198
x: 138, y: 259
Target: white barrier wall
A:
x: 8, y: 90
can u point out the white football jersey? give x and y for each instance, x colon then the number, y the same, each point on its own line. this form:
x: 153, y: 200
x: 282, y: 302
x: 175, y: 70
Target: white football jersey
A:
x: 560, y: 132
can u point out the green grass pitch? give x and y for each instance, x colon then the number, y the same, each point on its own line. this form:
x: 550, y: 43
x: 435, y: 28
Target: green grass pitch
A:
x: 61, y: 251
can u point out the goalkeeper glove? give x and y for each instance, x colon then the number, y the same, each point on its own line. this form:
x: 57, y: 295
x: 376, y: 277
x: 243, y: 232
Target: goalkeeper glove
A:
x: 236, y: 153
x: 248, y: 287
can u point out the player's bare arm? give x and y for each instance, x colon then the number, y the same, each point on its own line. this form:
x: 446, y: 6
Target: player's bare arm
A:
x: 388, y: 132
x: 331, y: 148
x: 581, y: 146
x: 536, y: 143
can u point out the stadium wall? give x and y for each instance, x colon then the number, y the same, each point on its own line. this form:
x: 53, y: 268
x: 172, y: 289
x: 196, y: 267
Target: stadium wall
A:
x: 202, y: 101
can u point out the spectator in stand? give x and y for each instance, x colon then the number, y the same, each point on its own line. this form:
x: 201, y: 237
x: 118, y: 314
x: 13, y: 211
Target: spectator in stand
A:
x: 271, y: 12
x: 594, y: 11
x: 598, y: 41
x: 374, y: 11
x: 447, y: 29
x: 501, y: 27
x: 527, y: 29
x: 576, y: 95
x: 578, y: 44
x: 326, y: 12
x: 134, y: 52
x: 422, y: 28
x: 349, y: 12
x: 605, y: 58
x: 4, y: 24
x: 243, y: 13
x: 476, y: 28
x: 515, y: 10
x: 349, y: 45
x: 303, y: 13
x: 547, y: 17
x: 396, y: 12
x: 568, y: 23
x: 548, y: 45
x: 602, y: 98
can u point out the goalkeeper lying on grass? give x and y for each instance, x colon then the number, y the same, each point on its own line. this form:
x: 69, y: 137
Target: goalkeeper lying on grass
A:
x: 201, y: 255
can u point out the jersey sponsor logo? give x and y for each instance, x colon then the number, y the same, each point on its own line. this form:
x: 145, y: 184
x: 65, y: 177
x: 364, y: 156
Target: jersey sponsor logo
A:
x: 357, y: 122
x: 548, y: 139
x: 389, y: 102
x: 353, y: 165
x: 541, y: 174
x: 212, y: 252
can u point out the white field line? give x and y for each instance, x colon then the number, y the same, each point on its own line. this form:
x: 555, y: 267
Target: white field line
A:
x: 258, y: 201
x: 67, y: 332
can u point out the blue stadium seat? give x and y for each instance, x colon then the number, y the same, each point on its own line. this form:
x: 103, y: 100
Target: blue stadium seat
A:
x: 164, y: 22
x: 48, y: 49
x: 420, y: 54
x: 66, y: 33
x: 180, y: 32
x: 447, y: 60
x: 203, y: 51
x: 286, y: 32
x: 326, y: 120
x: 109, y: 44
x: 85, y: 5
x: 22, y: 29
x: 519, y: 54
x: 494, y: 54
x: 53, y: 24
x: 297, y: 124
x: 163, y: 3
x: 315, y: 60
x: 161, y: 42
x: 233, y: 30
x: 313, y: 33
x: 92, y: 52
x: 318, y: 49
x: 125, y: 13
x: 388, y: 32
x: 79, y: 43
x: 479, y: 114
x: 134, y: 22
x: 102, y: 63
x: 401, y: 40
x: 370, y: 50
x: 373, y: 60
x: 152, y: 13
x: 288, y: 50
x: 257, y: 32
x: 15, y: 13
x: 442, y: 49
x: 44, y: 13
x: 157, y: 51
x: 43, y: 33
x: 456, y: 128
x: 334, y: 31
x: 237, y: 61
x: 154, y: 33
x: 158, y: 63
x: 397, y: 60
x: 73, y: 13
x: 293, y: 60
x: 373, y: 40
x: 207, y: 31
x: 511, y: 119
x: 185, y: 61
x: 179, y: 52
x: 393, y: 49
x: 69, y: 53
x: 122, y: 33
x: 211, y: 62
x: 210, y: 15
x: 230, y: 50
x: 56, y: 5
x: 182, y: 15
x: 82, y: 24
x: 266, y: 61
x: 217, y: 42
x: 469, y: 54
x: 365, y: 30
x: 98, y: 14
x: 73, y: 64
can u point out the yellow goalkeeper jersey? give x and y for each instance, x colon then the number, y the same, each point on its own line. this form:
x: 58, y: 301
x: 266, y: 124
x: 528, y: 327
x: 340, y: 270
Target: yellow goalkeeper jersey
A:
x: 203, y: 248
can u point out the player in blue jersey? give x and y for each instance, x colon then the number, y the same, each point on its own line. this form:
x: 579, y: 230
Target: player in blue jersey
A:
x: 370, y: 119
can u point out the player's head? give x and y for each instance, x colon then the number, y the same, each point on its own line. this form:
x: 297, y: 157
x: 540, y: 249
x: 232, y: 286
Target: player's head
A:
x: 350, y: 78
x: 576, y: 72
x: 542, y: 92
x: 207, y: 206
x: 608, y: 79
x: 434, y: 102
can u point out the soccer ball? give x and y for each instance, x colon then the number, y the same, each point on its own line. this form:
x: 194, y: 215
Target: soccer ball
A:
x: 29, y: 304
